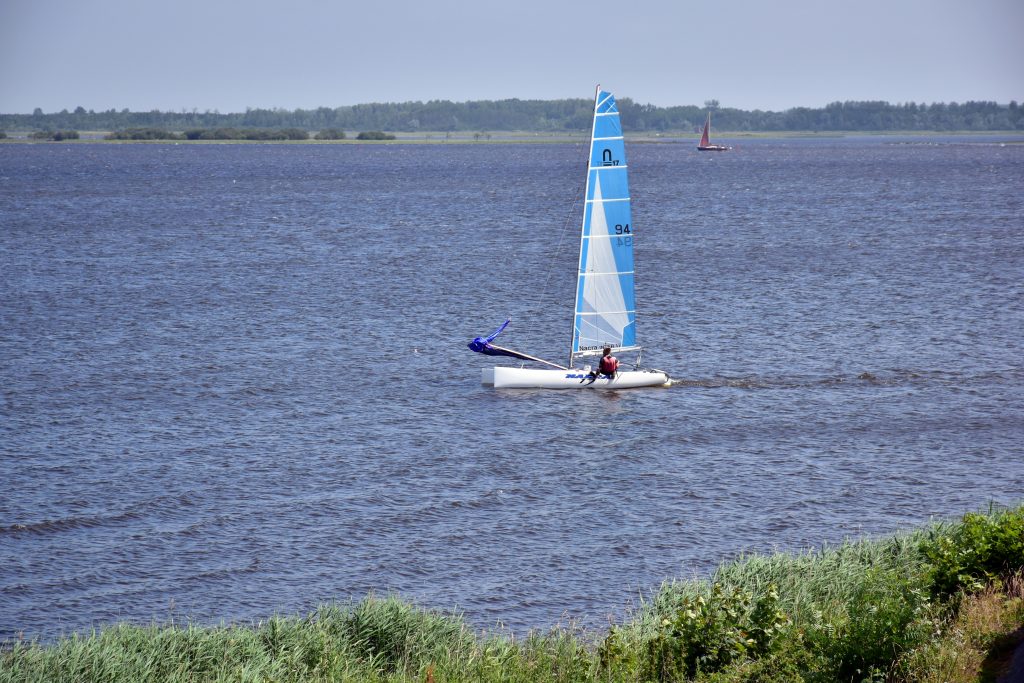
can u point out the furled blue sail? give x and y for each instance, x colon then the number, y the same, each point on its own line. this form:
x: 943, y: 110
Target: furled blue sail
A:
x: 605, y: 297
x: 483, y: 345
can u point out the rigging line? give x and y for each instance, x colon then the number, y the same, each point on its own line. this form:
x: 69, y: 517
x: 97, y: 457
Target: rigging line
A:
x: 542, y: 294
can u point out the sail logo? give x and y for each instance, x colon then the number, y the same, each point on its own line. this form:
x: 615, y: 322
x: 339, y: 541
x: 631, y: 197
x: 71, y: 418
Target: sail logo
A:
x: 606, y: 158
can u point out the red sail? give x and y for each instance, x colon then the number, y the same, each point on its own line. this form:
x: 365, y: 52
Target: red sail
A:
x: 704, y: 141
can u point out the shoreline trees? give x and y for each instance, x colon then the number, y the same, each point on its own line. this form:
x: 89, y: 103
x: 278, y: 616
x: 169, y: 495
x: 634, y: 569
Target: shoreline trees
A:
x: 543, y: 116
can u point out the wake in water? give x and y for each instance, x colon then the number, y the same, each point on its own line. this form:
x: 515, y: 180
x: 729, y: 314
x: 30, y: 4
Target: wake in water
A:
x: 882, y: 378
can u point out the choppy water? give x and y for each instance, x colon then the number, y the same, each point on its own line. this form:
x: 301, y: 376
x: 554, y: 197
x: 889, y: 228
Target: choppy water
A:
x: 234, y: 382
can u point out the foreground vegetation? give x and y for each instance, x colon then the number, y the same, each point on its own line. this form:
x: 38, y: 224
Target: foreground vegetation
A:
x: 938, y: 604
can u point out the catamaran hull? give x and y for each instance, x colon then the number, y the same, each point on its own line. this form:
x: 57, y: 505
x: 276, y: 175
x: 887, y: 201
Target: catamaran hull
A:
x: 529, y: 378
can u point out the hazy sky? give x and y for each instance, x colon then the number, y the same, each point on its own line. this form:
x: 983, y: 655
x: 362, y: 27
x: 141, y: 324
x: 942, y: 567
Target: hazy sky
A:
x: 751, y: 54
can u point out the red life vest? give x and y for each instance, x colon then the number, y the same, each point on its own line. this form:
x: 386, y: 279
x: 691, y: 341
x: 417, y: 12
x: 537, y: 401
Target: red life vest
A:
x: 608, y: 365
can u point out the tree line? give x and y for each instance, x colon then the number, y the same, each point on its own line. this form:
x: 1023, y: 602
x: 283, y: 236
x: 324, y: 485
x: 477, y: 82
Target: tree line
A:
x: 228, y: 134
x: 543, y: 116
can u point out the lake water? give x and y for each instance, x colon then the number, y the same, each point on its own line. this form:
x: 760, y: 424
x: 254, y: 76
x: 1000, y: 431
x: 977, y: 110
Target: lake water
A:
x: 234, y: 379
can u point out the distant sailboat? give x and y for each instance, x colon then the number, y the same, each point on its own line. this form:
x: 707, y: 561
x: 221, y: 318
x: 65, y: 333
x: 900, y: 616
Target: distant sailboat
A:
x: 605, y: 299
x: 705, y: 142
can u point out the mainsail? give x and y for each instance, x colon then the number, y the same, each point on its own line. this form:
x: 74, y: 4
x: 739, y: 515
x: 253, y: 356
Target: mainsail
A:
x: 705, y: 138
x: 605, y: 297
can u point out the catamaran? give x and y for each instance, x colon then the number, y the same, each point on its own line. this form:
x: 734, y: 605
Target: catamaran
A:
x: 605, y: 297
x: 705, y: 142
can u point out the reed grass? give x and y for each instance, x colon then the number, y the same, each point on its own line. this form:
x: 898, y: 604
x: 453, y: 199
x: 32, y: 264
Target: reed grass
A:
x: 978, y: 643
x: 868, y: 609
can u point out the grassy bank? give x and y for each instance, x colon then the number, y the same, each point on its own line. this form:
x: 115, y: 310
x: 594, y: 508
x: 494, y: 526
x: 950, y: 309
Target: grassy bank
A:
x: 937, y: 604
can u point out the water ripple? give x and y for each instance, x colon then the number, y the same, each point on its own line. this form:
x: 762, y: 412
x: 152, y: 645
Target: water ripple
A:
x: 235, y: 380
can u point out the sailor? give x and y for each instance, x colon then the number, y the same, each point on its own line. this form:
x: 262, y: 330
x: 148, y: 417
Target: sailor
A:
x: 607, y: 367
x: 609, y: 364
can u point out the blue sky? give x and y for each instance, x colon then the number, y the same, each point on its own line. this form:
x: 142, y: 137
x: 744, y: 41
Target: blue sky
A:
x: 751, y: 54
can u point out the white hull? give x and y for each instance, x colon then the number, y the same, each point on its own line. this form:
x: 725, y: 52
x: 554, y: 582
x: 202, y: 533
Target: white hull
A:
x: 529, y: 378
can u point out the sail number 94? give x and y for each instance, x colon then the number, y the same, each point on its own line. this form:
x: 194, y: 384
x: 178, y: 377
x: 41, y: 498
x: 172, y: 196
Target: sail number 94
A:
x: 625, y: 238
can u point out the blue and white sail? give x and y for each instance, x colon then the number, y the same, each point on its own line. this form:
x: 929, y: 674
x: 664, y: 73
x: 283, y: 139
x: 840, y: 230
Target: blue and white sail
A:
x: 605, y: 297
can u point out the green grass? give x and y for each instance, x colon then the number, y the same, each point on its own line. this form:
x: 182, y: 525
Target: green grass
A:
x: 943, y: 598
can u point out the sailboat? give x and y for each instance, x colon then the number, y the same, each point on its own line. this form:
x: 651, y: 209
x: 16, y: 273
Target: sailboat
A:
x: 705, y: 143
x: 605, y: 314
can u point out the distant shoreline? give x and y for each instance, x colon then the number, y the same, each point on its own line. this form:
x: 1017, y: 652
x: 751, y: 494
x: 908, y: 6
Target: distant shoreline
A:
x: 520, y: 137
x: 559, y: 117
